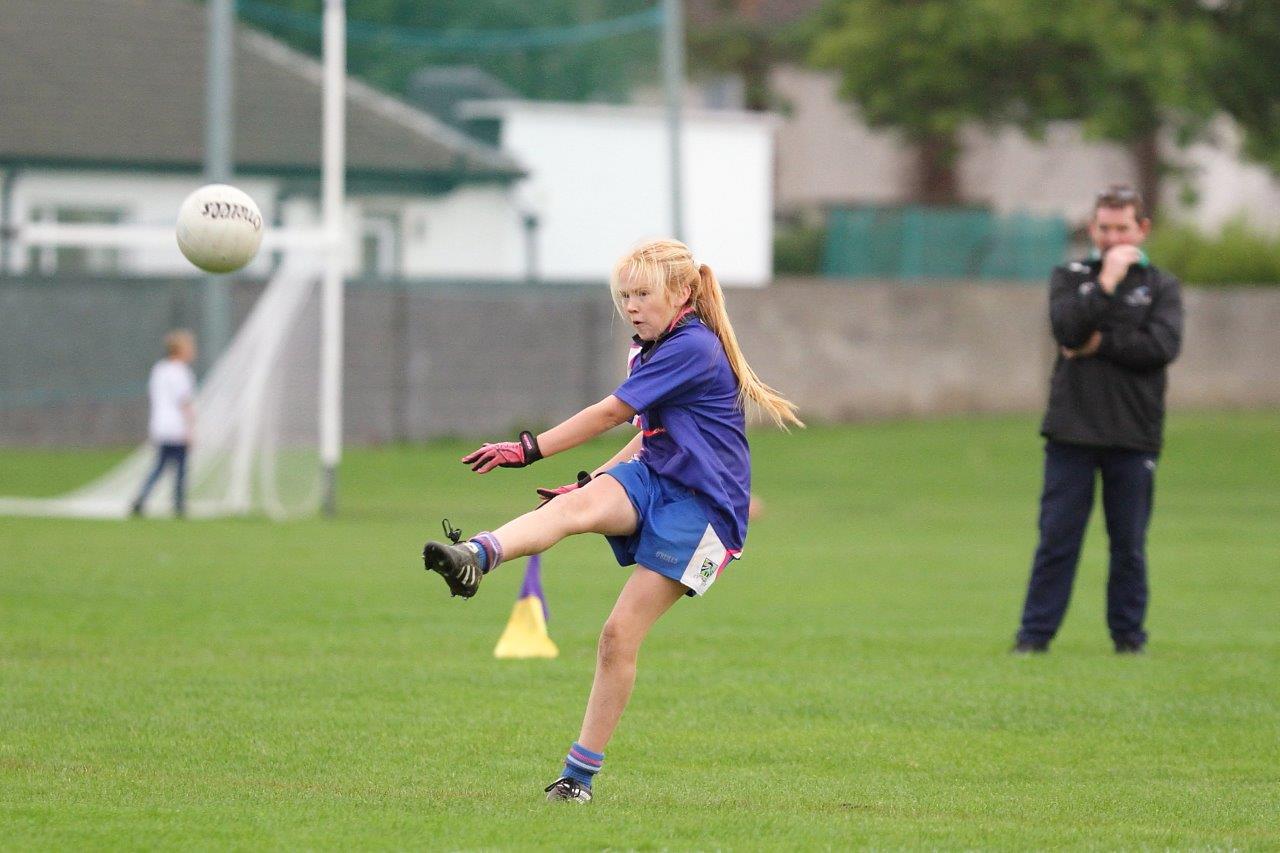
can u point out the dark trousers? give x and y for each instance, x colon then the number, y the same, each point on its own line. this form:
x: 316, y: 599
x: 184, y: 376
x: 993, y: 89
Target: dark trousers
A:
x: 168, y: 454
x: 1128, y: 485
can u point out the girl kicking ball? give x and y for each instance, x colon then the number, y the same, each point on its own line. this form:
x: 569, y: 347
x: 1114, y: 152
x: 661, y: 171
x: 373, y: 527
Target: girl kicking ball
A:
x: 673, y: 502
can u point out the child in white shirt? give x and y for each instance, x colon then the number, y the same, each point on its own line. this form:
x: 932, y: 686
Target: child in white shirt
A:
x: 172, y: 389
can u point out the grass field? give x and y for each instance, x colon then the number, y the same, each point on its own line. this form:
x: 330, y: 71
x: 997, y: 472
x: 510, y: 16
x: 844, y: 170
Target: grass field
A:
x: 248, y: 684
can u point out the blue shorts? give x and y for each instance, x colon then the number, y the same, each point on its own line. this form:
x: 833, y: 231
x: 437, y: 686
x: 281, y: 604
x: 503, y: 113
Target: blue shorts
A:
x: 673, y: 536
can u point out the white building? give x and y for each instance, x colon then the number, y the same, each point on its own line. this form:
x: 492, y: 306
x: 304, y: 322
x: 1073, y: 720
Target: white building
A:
x: 599, y: 182
x: 424, y: 199
x: 116, y: 136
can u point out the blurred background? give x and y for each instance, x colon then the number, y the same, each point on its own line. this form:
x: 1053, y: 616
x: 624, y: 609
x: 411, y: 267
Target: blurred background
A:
x: 884, y: 185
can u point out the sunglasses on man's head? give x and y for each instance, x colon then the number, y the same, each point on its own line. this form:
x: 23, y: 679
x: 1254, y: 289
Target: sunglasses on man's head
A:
x: 1118, y: 194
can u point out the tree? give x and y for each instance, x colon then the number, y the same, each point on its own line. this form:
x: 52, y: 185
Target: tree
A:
x: 742, y: 38
x: 1243, y: 73
x: 1146, y: 75
x: 1125, y: 68
x: 926, y: 68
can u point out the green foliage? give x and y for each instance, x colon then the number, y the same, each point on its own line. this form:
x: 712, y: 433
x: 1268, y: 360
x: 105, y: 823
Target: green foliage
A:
x: 797, y: 249
x: 1125, y: 68
x: 1242, y: 71
x: 249, y: 685
x: 928, y: 68
x: 1237, y: 255
x: 1144, y: 65
x: 603, y: 70
x: 732, y: 44
x: 735, y: 47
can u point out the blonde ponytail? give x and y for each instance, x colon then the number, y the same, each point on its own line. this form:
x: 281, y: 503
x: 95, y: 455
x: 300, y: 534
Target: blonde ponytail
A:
x: 708, y: 302
x: 668, y: 265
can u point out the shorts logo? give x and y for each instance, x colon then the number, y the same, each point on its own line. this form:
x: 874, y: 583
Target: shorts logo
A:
x: 708, y: 569
x: 663, y: 555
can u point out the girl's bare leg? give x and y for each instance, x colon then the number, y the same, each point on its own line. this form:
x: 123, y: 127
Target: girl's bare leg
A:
x: 645, y: 596
x: 602, y: 506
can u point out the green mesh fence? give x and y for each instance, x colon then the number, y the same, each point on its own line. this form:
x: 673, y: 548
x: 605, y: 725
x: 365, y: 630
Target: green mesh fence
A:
x: 558, y: 50
x: 918, y: 242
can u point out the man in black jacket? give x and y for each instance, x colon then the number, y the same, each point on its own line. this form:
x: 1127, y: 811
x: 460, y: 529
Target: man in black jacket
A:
x: 1118, y: 324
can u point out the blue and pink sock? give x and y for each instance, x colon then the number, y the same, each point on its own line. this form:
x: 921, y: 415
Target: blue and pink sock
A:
x: 488, y: 551
x: 582, y: 764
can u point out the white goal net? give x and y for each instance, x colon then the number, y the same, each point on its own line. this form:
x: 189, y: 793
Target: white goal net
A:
x: 256, y: 448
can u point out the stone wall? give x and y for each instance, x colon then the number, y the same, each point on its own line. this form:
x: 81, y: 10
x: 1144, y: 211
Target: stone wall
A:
x: 424, y: 361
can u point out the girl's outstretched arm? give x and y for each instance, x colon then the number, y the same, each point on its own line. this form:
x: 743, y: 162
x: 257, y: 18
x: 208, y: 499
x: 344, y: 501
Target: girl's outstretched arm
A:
x: 594, y: 420
x: 586, y: 424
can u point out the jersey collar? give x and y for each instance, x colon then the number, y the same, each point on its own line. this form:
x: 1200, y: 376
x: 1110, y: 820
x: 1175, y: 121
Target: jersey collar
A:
x: 685, y: 315
x: 1095, y: 258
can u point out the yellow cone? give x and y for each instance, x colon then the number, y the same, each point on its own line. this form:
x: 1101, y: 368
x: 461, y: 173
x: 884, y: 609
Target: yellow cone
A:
x: 526, y: 633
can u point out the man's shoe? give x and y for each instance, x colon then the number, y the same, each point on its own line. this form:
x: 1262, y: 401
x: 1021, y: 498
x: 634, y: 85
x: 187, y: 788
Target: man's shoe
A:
x: 457, y: 564
x: 1030, y: 647
x: 568, y: 789
x: 1130, y: 647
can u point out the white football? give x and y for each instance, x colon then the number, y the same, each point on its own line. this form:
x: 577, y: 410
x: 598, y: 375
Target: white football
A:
x: 219, y: 228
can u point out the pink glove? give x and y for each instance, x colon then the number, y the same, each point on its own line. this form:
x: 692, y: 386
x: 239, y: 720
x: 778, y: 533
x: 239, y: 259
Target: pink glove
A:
x: 548, y: 494
x: 504, y: 454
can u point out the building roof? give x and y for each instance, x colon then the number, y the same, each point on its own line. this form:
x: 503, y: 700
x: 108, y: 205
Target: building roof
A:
x: 120, y: 84
x: 438, y: 89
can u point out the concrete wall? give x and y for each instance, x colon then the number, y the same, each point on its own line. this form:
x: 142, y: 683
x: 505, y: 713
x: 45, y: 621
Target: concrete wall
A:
x: 453, y: 361
x: 427, y: 361
x: 1231, y: 350
x: 854, y: 351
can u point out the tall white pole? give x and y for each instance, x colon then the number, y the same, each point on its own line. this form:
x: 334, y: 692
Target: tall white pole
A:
x: 219, y: 123
x: 673, y: 77
x: 219, y: 119
x: 332, y: 179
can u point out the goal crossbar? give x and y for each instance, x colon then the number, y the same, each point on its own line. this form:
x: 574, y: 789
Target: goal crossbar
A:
x: 149, y: 236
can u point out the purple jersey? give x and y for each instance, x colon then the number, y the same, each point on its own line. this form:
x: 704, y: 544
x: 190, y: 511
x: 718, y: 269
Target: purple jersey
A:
x: 694, y: 430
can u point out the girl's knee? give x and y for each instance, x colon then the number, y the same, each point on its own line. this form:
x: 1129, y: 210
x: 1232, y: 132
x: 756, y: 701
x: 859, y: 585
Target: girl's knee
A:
x: 576, y: 510
x: 619, y: 643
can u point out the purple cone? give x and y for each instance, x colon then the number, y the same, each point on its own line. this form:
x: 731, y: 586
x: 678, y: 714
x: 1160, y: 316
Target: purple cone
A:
x: 532, y: 585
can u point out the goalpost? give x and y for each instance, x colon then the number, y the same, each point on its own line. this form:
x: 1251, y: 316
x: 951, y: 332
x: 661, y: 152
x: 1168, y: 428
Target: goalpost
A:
x: 332, y: 179
x: 274, y: 396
